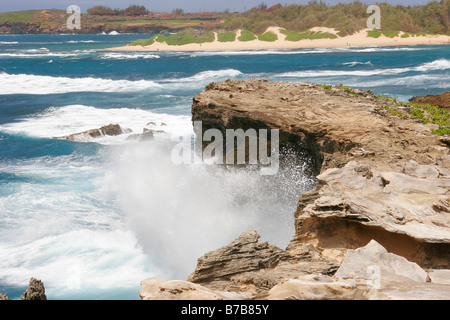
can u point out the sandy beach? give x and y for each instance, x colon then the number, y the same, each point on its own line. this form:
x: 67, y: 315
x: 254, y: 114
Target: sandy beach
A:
x: 356, y: 40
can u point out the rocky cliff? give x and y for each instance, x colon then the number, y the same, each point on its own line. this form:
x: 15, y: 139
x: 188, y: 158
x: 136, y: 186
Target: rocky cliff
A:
x: 442, y: 100
x: 383, y: 181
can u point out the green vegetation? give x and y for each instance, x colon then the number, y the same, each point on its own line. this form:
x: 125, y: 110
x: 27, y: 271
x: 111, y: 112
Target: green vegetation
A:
x: 308, y: 34
x: 349, y: 18
x: 268, y: 36
x: 386, y: 33
x: 431, y: 114
x: 143, y: 42
x: 184, y: 37
x: 326, y: 87
x: 152, y: 22
x: 226, y: 37
x: 134, y: 10
x: 424, y: 113
x: 18, y: 16
x: 246, y: 36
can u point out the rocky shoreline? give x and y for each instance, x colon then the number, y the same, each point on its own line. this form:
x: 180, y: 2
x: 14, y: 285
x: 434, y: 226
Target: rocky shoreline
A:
x: 381, y: 201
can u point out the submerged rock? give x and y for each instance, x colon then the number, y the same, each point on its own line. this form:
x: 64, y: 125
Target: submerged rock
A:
x: 109, y: 130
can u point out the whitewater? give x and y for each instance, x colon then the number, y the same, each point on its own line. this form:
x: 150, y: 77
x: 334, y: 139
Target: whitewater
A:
x: 94, y: 217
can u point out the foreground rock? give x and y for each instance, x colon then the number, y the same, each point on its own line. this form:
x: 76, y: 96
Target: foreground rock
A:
x: 441, y: 100
x: 379, y: 177
x: 154, y: 289
x: 372, y: 259
x: 36, y: 291
x: 367, y: 273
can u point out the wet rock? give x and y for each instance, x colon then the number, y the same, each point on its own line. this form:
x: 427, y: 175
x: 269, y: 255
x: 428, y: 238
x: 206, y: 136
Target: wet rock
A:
x: 109, y: 130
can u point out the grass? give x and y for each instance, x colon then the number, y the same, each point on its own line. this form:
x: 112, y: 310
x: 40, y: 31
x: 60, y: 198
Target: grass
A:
x: 386, y: 33
x: 268, y: 36
x: 18, y: 16
x: 246, y: 36
x: 148, y: 21
x: 326, y: 86
x: 143, y: 42
x: 226, y: 37
x: 308, y: 34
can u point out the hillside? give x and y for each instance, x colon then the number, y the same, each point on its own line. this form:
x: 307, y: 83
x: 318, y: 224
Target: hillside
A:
x: 54, y: 21
x: 347, y: 19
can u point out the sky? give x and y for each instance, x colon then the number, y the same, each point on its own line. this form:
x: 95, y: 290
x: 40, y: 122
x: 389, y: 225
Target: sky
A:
x: 169, y: 5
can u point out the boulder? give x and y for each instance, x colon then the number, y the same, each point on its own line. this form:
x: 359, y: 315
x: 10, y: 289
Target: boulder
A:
x: 36, y: 291
x: 242, y: 255
x: 373, y: 260
x: 109, y: 130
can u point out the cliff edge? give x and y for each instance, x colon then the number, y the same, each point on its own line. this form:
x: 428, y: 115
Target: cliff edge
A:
x: 382, y: 178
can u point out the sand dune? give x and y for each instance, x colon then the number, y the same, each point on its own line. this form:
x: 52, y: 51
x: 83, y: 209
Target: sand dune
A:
x: 356, y: 40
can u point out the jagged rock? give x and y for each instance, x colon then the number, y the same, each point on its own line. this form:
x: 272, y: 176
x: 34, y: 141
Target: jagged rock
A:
x: 251, y: 268
x: 242, y: 255
x: 405, y: 213
x: 3, y: 297
x: 36, y: 291
x: 362, y: 262
x: 155, y: 289
x: 379, y: 176
x: 109, y: 130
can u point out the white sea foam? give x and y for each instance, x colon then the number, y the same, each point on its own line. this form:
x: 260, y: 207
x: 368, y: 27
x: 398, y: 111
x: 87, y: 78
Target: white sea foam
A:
x: 128, y: 56
x: 356, y: 63
x: 441, y: 64
x: 80, y: 41
x: 9, y: 42
x: 63, y: 121
x: 33, y: 84
x: 207, y: 75
x: 82, y: 243
x: 44, y: 52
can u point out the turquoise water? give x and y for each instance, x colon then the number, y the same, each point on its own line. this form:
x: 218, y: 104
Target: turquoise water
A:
x: 93, y: 218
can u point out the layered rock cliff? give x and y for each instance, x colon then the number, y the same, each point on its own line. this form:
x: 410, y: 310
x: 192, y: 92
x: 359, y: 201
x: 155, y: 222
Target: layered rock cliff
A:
x: 381, y: 178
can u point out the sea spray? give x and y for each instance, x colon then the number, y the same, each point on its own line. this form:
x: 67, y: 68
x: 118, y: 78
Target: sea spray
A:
x: 180, y: 212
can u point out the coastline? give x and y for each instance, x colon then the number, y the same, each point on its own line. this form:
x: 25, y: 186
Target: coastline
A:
x: 359, y: 39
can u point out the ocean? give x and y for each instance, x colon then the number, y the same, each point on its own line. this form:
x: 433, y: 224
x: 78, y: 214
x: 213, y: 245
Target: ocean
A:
x: 92, y: 218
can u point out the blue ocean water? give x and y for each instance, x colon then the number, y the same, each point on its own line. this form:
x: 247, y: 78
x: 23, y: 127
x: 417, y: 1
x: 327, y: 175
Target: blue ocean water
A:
x: 93, y: 218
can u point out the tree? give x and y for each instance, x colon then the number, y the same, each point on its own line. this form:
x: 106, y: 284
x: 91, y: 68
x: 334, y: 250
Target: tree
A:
x: 136, y: 10
x: 178, y: 11
x: 100, y: 11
